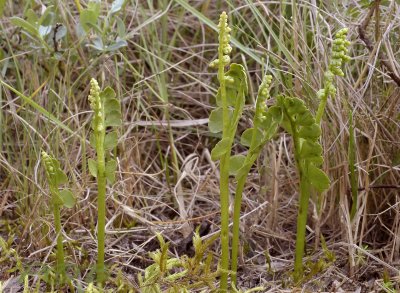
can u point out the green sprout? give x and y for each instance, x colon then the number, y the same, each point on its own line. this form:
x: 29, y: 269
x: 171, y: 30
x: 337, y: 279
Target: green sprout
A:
x: 59, y: 198
x: 107, y: 114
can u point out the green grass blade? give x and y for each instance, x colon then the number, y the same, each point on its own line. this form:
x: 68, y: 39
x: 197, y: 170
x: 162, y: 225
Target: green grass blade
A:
x: 352, y: 167
x: 39, y: 108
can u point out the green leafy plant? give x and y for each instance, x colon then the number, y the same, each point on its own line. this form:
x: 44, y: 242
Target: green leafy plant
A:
x: 387, y: 284
x: 91, y: 289
x: 39, y: 28
x: 9, y: 257
x: 306, y: 136
x: 294, y: 116
x: 300, y: 123
x: 104, y: 39
x: 59, y: 198
x: 46, y: 28
x: 182, y: 274
x: 230, y: 100
x: 107, y: 114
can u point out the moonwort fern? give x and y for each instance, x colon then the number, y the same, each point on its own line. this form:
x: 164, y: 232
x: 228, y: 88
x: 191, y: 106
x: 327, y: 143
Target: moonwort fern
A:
x: 230, y: 100
x: 306, y: 136
x: 300, y: 123
x: 265, y: 123
x: 56, y: 177
x: 107, y: 114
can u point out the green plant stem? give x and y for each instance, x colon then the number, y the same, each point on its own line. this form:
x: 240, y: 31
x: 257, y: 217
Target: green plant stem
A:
x: 78, y: 6
x: 318, y: 120
x: 236, y: 223
x: 60, y: 267
x: 303, y: 205
x: 101, y: 206
x: 224, y: 202
x: 301, y: 225
x: 352, y: 166
x: 250, y: 158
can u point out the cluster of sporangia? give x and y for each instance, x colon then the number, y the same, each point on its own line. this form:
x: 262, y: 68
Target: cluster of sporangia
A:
x: 96, y: 105
x: 49, y: 165
x: 263, y: 96
x: 224, y: 39
x: 339, y: 56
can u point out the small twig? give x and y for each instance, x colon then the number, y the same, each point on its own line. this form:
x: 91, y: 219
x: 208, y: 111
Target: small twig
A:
x: 368, y: 43
x: 380, y: 187
x: 55, y: 42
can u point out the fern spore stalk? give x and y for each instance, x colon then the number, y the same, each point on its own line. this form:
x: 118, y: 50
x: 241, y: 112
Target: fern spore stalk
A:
x: 339, y: 56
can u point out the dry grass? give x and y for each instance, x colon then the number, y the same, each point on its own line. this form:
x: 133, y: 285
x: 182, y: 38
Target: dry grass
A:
x: 167, y: 93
